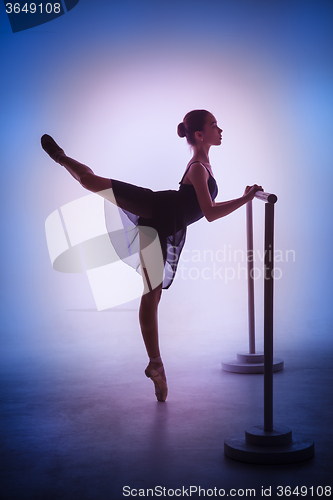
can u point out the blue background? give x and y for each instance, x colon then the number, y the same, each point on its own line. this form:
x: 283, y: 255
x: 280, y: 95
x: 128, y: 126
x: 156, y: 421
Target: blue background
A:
x: 111, y: 81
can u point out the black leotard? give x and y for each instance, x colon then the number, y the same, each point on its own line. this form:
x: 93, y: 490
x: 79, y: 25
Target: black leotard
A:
x: 172, y: 211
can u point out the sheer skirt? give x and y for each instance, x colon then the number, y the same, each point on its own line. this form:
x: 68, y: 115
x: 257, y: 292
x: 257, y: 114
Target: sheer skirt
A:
x: 141, y: 208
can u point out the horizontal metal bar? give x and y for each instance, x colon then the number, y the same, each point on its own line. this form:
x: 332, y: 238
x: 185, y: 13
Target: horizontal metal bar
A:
x: 267, y: 197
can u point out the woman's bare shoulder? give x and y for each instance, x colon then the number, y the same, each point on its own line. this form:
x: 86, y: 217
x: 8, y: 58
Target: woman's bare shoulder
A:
x: 195, y: 171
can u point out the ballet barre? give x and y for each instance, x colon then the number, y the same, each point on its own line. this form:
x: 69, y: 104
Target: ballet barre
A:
x: 267, y: 197
x: 267, y: 444
x: 252, y: 361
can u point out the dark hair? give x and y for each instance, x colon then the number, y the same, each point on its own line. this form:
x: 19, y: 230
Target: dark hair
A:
x: 193, y: 122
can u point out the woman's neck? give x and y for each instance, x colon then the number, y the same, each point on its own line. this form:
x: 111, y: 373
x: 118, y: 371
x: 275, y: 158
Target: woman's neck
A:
x: 201, y: 159
x: 201, y: 153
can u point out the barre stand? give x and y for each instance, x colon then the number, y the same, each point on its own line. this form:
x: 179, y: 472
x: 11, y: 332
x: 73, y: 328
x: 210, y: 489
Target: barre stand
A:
x: 268, y: 444
x: 252, y: 362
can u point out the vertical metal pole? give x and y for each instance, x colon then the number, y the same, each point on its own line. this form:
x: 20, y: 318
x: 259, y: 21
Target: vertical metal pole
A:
x: 268, y: 316
x: 250, y: 282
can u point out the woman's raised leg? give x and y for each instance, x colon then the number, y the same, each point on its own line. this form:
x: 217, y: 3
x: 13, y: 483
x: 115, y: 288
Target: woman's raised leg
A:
x: 138, y: 202
x: 79, y: 171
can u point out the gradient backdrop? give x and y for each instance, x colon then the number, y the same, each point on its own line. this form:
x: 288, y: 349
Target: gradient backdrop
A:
x: 110, y: 80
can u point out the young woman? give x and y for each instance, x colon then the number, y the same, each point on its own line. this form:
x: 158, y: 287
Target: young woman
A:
x: 168, y: 212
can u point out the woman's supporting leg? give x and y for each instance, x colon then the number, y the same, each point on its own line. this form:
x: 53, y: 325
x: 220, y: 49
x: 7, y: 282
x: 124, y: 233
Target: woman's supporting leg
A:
x: 149, y: 321
x: 149, y: 328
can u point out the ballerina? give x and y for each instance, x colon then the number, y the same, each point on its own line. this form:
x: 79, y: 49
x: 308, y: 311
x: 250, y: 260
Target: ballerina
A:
x: 168, y: 212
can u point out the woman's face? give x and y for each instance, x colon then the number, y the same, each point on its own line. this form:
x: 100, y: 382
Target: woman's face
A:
x: 211, y: 134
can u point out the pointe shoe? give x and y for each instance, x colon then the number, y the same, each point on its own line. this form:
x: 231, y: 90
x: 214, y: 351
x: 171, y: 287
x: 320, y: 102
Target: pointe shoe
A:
x: 158, y: 377
x: 51, y: 147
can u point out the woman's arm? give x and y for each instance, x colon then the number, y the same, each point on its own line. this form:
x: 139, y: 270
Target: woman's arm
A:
x: 198, y: 176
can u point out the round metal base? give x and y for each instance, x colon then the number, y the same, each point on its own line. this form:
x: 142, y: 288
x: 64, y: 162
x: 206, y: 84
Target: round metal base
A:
x: 250, y: 363
x: 279, y: 446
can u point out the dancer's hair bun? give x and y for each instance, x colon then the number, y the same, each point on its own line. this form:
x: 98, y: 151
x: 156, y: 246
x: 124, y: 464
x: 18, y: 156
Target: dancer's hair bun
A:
x: 181, y: 130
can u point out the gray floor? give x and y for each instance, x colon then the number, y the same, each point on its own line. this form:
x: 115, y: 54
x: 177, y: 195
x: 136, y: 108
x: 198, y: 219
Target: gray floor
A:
x: 80, y: 420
